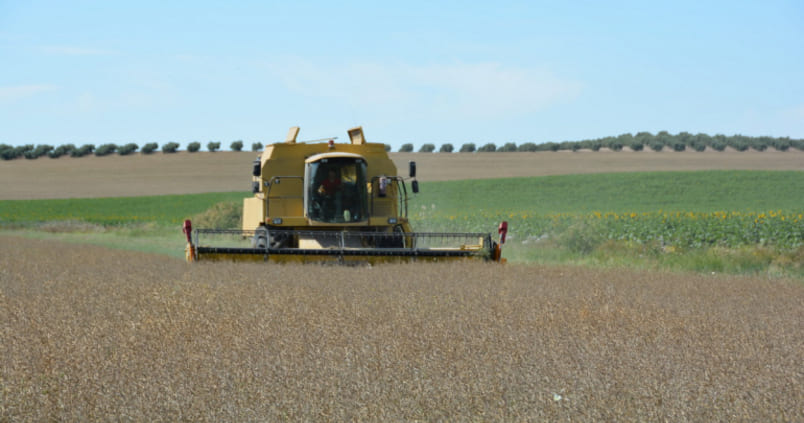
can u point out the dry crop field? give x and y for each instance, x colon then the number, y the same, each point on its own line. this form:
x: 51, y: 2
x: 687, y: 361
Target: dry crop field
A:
x: 93, y: 334
x: 188, y: 173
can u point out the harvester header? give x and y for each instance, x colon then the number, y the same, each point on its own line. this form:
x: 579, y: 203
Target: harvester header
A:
x: 324, y: 201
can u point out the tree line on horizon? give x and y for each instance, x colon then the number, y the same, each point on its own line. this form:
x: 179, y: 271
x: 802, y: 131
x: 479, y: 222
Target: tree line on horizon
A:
x: 657, y: 142
x: 662, y: 140
x: 29, y: 151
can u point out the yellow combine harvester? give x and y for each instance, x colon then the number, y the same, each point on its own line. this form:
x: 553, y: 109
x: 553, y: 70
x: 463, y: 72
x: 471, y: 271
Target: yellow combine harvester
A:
x: 322, y: 201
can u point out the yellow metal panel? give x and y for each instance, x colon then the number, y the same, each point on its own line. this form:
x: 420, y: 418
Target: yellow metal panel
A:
x: 285, y: 207
x: 253, y: 213
x: 384, y: 208
x: 293, y: 132
x: 356, y: 135
x: 292, y: 221
x: 288, y: 159
x: 282, y: 173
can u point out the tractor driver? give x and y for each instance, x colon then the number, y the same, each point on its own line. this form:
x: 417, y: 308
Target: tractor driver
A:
x: 330, y: 192
x: 330, y: 185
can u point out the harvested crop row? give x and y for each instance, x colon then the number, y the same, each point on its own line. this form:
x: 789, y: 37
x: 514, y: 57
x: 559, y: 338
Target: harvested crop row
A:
x: 92, y: 334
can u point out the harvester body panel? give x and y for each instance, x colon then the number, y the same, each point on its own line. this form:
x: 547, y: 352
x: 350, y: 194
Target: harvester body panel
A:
x: 328, y: 202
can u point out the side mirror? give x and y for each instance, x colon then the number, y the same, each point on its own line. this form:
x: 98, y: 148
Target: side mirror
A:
x: 255, y: 187
x: 415, y: 186
x: 256, y: 170
x: 412, y: 169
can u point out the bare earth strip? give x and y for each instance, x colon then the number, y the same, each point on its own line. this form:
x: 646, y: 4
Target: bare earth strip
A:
x: 96, y: 335
x: 183, y: 173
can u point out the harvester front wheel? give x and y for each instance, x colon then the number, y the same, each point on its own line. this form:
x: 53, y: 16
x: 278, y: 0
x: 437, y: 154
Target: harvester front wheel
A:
x: 395, y: 239
x: 264, y: 239
x: 260, y: 239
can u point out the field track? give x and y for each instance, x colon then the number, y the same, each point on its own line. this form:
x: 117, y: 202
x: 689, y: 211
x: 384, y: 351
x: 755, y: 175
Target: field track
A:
x: 185, y: 173
x: 91, y: 334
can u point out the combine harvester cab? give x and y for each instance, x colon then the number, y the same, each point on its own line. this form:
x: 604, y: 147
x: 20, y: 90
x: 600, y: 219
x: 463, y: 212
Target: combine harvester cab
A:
x: 321, y: 201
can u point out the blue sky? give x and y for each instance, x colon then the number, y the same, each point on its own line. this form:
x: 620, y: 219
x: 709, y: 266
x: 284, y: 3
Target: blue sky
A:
x: 109, y: 71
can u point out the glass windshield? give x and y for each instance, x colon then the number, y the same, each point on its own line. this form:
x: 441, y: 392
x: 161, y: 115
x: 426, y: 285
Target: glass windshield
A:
x: 337, y: 190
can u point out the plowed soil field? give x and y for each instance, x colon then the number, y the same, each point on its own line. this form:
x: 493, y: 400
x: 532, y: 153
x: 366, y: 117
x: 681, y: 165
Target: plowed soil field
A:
x: 91, y: 334
x: 186, y: 173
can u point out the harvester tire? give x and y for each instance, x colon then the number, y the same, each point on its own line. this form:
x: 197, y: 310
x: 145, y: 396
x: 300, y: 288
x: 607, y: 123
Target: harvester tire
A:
x: 396, y: 239
x: 260, y: 239
x: 264, y: 239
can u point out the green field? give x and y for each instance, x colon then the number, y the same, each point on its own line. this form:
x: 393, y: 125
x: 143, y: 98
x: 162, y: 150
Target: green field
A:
x: 708, y: 191
x: 148, y: 224
x: 684, y: 209
x: 710, y: 221
x: 121, y: 211
x: 620, y: 218
x: 704, y: 191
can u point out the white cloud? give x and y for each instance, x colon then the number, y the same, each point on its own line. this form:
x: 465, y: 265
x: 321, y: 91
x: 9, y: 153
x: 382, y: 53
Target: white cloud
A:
x: 76, y: 51
x: 18, y: 92
x: 444, y: 91
x: 492, y: 89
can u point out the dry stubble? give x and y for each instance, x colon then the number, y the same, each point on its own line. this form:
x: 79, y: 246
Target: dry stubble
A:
x: 92, y: 334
